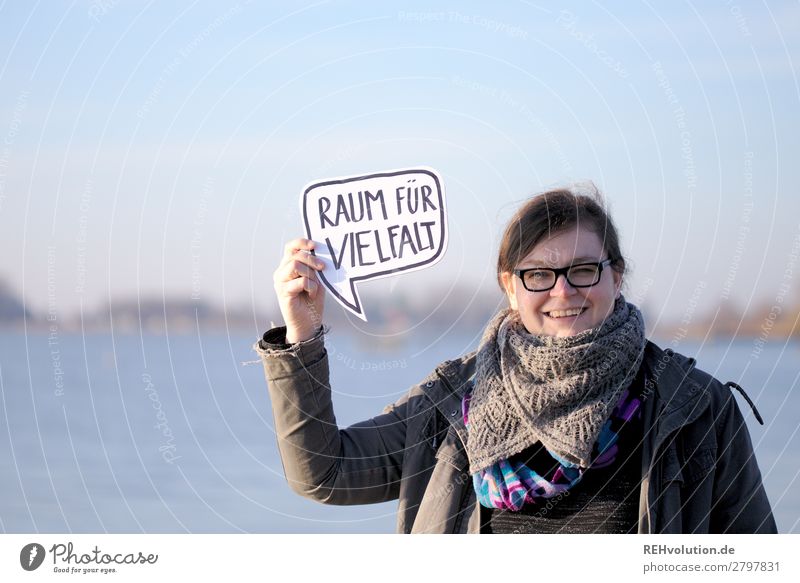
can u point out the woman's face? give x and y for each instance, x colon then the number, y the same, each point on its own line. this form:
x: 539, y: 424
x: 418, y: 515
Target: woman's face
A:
x: 543, y: 312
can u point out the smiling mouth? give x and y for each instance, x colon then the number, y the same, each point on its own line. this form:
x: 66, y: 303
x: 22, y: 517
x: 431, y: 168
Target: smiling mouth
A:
x: 572, y: 312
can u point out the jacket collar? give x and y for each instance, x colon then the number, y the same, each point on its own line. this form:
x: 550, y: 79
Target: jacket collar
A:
x: 446, y: 388
x: 672, y: 397
x: 667, y: 373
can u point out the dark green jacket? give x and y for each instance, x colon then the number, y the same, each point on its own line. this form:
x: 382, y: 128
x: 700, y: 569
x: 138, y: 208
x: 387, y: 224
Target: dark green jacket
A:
x: 699, y: 474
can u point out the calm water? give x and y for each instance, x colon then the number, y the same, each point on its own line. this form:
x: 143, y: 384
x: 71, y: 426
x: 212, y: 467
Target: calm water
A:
x: 172, y: 433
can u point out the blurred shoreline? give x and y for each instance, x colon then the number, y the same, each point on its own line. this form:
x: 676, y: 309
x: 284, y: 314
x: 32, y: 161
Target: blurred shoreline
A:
x: 391, y: 318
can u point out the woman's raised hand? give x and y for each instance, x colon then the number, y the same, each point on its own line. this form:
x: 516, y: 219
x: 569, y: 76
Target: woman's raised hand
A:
x: 300, y: 296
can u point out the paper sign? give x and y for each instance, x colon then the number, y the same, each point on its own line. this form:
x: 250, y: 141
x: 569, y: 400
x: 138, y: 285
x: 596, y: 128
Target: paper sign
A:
x: 373, y: 226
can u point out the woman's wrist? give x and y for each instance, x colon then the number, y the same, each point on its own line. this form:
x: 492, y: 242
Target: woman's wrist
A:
x: 295, y: 335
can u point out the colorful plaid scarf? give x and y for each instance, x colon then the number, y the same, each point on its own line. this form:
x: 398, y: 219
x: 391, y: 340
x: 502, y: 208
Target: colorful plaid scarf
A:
x: 509, y: 485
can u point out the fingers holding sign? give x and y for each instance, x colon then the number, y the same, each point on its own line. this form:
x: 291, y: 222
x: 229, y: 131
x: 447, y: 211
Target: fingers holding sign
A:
x: 300, y: 295
x: 299, y: 264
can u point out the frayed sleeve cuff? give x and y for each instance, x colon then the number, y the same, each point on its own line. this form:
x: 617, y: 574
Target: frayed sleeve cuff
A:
x: 273, y: 346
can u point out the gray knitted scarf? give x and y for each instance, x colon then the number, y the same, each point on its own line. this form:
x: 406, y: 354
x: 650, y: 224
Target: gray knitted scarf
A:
x: 559, y: 391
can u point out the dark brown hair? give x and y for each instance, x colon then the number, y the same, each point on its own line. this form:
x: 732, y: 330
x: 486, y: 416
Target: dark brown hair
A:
x: 550, y: 213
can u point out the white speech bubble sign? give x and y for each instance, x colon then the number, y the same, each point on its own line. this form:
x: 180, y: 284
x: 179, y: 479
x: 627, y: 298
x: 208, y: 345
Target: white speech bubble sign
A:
x: 373, y: 226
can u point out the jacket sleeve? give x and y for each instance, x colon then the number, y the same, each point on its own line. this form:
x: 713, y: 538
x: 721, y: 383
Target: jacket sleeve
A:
x: 740, y: 501
x: 357, y: 465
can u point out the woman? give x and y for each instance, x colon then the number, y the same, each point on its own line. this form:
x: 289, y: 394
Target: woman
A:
x: 566, y: 419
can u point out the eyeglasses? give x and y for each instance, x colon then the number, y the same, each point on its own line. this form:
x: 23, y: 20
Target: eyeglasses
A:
x: 539, y: 279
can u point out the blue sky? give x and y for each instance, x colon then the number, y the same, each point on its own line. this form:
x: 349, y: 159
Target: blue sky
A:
x: 160, y: 148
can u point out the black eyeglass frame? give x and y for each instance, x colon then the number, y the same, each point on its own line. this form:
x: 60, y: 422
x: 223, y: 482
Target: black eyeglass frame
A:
x: 565, y: 272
